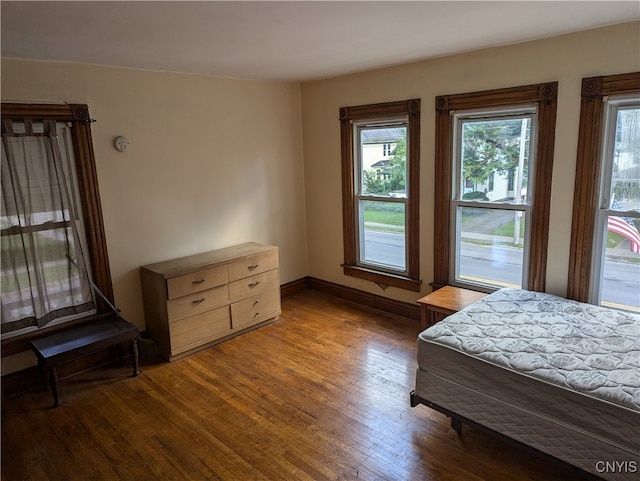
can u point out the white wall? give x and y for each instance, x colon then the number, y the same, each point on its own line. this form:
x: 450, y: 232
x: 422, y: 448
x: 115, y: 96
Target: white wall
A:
x: 213, y: 162
x: 566, y: 59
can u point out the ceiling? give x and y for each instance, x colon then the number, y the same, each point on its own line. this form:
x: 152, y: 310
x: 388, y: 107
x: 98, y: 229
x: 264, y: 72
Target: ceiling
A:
x: 286, y: 41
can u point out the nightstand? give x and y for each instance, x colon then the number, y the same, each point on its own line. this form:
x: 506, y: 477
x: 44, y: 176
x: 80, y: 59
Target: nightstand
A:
x: 445, y: 301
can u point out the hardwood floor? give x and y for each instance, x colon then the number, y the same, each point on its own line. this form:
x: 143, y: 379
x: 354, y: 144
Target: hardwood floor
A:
x: 321, y: 394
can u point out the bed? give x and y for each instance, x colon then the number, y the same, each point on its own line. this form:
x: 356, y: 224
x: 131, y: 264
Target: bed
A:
x: 559, y: 376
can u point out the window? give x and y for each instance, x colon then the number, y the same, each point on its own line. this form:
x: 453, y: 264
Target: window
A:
x: 494, y: 159
x: 490, y: 236
x: 380, y: 196
x: 604, y: 263
x: 44, y: 279
x: 60, y: 229
x: 616, y: 279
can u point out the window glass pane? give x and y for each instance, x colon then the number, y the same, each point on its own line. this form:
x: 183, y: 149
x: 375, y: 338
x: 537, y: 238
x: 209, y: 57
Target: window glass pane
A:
x: 490, y: 249
x: 495, y: 158
x: 620, y: 285
x: 625, y: 178
x: 52, y: 250
x: 382, y: 234
x: 383, y: 161
x: 10, y: 284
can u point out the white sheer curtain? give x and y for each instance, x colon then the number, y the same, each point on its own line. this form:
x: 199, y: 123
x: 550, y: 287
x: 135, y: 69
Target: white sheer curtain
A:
x: 45, y: 276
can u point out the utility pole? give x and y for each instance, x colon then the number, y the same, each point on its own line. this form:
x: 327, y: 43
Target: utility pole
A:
x: 517, y: 193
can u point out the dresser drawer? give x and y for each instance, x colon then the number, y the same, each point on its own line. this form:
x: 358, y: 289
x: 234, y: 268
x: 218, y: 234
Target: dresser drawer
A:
x: 252, y: 265
x: 255, y: 309
x: 194, y: 331
x: 193, y: 304
x: 197, y: 281
x: 253, y: 285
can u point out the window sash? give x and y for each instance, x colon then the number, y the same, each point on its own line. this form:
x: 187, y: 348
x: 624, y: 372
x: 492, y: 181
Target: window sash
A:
x: 613, y: 106
x: 600, y: 258
x: 361, y: 236
x: 456, y: 238
x: 358, y: 147
x: 460, y: 118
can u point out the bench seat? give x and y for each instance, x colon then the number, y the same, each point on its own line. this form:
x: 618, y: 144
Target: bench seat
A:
x: 56, y: 349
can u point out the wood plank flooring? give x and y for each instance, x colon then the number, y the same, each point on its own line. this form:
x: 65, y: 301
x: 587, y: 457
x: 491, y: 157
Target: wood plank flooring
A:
x: 321, y: 394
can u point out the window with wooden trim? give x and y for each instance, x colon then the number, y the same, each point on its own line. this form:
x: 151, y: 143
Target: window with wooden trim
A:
x: 494, y: 160
x: 604, y: 260
x: 48, y: 165
x: 380, y: 145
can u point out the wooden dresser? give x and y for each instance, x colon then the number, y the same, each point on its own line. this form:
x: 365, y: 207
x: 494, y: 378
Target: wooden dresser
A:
x: 196, y: 301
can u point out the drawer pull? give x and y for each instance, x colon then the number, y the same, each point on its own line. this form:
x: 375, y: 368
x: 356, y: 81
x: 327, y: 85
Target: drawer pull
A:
x: 253, y: 267
x: 256, y: 303
x: 198, y: 301
x: 254, y: 284
x: 198, y: 282
x: 256, y: 315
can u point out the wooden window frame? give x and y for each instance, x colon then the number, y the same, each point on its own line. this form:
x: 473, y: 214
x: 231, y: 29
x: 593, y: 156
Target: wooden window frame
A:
x: 78, y: 116
x: 373, y: 112
x: 588, y: 168
x: 544, y: 96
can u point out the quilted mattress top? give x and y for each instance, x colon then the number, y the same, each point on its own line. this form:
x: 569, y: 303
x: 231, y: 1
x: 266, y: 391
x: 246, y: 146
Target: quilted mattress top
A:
x: 589, y: 349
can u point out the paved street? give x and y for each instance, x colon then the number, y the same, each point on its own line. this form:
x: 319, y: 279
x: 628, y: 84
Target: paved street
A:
x: 621, y: 283
x: 504, y: 264
x: 497, y: 263
x: 384, y: 248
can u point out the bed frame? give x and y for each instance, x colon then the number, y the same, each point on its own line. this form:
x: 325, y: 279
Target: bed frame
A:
x: 457, y: 422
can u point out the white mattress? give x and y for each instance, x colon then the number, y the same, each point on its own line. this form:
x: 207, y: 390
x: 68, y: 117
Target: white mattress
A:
x: 558, y: 375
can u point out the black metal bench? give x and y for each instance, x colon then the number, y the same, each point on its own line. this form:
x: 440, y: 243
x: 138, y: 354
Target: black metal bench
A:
x: 62, y: 347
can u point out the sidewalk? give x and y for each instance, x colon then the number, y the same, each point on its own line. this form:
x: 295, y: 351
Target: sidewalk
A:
x: 489, y: 238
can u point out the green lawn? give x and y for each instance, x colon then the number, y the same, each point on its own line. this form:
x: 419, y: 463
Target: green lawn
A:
x: 613, y: 239
x: 507, y: 229
x: 51, y: 253
x: 384, y: 217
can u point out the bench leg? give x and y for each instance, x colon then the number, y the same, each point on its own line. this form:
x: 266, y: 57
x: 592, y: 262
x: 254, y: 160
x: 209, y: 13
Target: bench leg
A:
x: 456, y: 424
x: 134, y: 357
x: 43, y: 374
x: 118, y: 349
x: 53, y: 380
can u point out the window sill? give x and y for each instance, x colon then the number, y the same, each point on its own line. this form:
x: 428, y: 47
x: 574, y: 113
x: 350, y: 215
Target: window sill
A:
x: 383, y: 279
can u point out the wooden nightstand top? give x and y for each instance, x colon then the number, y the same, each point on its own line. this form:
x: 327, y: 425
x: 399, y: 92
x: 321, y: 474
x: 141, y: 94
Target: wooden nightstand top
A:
x: 449, y: 299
